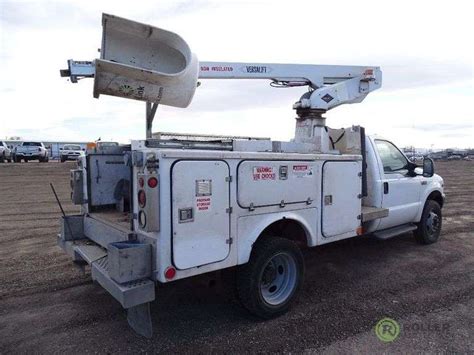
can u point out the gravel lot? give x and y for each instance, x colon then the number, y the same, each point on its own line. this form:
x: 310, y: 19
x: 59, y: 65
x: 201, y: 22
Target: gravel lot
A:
x: 47, y: 305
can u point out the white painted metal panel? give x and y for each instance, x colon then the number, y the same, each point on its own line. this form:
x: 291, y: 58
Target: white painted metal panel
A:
x: 266, y: 183
x: 200, y: 218
x: 341, y: 205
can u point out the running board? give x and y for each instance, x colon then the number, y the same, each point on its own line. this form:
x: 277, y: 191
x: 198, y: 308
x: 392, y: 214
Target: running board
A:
x: 394, y: 231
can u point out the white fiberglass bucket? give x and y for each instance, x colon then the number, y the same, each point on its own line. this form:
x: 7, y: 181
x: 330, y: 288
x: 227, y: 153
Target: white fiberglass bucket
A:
x: 146, y: 63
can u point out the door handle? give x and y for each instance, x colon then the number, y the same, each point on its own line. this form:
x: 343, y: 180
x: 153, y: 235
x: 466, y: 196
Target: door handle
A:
x: 385, y: 188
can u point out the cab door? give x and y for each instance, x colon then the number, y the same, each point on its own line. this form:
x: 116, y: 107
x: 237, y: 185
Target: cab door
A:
x: 200, y: 212
x: 401, y: 192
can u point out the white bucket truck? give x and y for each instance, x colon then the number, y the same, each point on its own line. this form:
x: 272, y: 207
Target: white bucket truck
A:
x: 171, y: 207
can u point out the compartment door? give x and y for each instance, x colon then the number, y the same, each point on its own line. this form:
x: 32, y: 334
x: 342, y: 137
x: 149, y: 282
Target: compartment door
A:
x: 201, y: 222
x: 341, y: 205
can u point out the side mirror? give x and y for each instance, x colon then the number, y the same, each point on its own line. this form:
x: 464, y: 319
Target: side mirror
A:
x: 428, y: 167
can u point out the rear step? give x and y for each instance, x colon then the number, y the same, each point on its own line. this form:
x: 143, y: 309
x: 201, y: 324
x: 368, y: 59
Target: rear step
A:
x: 129, y: 294
x: 89, y: 252
x: 120, y: 266
x: 394, y: 231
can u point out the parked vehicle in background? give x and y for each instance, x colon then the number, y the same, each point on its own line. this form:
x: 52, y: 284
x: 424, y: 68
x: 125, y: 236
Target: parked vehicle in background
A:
x: 101, y: 145
x: 31, y: 151
x: 70, y: 152
x: 416, y: 159
x: 5, y: 153
x: 454, y: 157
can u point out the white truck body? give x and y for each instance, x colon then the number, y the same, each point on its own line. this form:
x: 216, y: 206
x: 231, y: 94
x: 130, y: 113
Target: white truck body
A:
x: 165, y: 209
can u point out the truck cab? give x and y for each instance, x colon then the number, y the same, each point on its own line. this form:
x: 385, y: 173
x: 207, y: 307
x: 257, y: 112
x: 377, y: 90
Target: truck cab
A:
x: 399, y: 185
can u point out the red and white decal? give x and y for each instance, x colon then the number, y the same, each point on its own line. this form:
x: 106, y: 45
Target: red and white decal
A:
x: 203, y: 203
x: 263, y: 173
x: 302, y: 170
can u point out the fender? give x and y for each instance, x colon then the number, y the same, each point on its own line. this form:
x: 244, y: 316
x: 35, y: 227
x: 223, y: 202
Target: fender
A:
x: 434, y: 186
x: 249, y: 228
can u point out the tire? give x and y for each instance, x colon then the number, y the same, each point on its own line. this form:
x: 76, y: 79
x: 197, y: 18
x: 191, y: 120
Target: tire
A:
x: 63, y: 160
x: 270, y: 281
x: 2, y: 158
x: 17, y: 159
x: 46, y: 159
x: 429, y: 228
x: 26, y: 160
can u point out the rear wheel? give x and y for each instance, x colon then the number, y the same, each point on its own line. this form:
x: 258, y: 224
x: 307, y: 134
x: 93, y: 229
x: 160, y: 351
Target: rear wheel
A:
x: 26, y: 160
x: 429, y: 228
x: 270, y: 281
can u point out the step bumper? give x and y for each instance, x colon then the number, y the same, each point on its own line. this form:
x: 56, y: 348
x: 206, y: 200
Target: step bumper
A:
x: 123, y: 268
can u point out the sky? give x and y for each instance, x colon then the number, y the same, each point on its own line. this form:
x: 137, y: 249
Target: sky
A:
x: 422, y: 47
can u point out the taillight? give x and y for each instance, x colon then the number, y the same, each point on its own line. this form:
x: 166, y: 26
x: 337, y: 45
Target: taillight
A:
x: 153, y: 182
x: 141, y: 198
x: 141, y: 182
x: 170, y: 273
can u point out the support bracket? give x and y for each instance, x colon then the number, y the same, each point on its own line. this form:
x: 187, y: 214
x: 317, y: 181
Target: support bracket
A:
x: 150, y: 115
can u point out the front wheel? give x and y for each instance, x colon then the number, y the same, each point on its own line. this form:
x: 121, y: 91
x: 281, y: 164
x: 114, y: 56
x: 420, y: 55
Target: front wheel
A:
x: 270, y: 281
x: 430, y: 224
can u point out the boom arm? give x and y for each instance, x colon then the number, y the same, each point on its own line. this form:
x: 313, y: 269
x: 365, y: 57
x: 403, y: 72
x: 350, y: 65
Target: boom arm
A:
x: 332, y: 85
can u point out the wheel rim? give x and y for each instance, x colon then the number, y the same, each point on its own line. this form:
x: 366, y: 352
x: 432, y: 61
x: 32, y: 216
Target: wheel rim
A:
x: 433, y: 223
x: 278, y: 279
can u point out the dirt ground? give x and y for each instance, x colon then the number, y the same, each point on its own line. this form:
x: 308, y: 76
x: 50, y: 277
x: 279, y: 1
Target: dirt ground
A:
x: 48, y: 306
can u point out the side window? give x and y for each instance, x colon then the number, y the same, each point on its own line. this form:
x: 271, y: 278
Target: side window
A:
x: 392, y: 158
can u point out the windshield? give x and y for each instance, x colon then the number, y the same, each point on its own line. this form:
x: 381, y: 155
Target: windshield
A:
x: 31, y: 144
x: 72, y: 147
x: 392, y: 158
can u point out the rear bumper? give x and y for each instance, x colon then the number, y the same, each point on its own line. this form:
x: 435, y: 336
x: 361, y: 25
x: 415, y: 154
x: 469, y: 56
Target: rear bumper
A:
x: 69, y: 156
x: 29, y: 156
x: 119, y: 267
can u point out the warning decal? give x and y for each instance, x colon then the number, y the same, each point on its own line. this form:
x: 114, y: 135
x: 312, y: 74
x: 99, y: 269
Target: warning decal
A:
x: 302, y: 170
x: 263, y: 173
x: 203, y: 203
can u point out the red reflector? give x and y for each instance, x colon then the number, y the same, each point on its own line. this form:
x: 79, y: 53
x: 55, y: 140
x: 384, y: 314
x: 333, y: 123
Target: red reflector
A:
x: 141, y: 198
x: 152, y: 182
x: 170, y: 273
x: 141, y: 182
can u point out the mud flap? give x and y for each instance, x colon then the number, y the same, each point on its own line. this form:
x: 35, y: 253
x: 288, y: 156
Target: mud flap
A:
x: 139, y: 319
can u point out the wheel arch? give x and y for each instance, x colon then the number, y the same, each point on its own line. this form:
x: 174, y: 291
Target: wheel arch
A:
x: 434, y: 195
x: 291, y: 226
